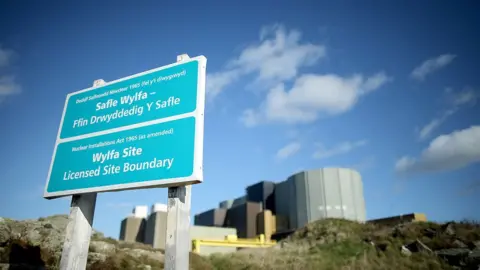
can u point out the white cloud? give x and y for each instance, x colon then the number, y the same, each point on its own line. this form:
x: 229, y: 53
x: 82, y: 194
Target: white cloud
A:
x: 216, y: 82
x: 434, y: 124
x: 466, y: 97
x: 288, y: 150
x: 277, y: 56
x: 457, y: 100
x: 8, y: 86
x: 5, y: 57
x: 431, y: 65
x: 312, y: 95
x: 446, y: 152
x: 339, y: 149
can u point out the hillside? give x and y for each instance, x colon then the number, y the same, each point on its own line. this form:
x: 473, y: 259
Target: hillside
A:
x: 327, y: 244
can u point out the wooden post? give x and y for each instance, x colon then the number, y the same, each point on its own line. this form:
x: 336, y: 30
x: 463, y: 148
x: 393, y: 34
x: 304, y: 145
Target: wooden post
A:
x: 79, y: 228
x: 177, y: 244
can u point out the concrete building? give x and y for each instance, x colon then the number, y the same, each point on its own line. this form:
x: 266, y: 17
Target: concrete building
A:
x: 225, y: 204
x: 243, y: 217
x: 212, y: 217
x: 323, y: 193
x: 156, y: 228
x: 262, y: 192
x: 212, y: 233
x: 132, y: 228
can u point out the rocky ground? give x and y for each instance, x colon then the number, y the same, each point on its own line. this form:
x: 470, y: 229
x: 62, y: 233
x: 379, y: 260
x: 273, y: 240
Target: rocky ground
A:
x: 327, y: 244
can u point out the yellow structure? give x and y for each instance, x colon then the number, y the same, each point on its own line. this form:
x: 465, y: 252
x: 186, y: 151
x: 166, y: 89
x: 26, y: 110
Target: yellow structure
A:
x: 232, y: 241
x: 268, y: 224
x: 390, y: 221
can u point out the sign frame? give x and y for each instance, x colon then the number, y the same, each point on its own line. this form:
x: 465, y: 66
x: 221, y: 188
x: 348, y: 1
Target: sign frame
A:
x: 198, y: 114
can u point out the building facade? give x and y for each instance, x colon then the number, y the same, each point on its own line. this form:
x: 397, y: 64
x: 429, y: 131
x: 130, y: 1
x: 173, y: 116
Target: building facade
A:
x: 323, y: 193
x: 212, y: 217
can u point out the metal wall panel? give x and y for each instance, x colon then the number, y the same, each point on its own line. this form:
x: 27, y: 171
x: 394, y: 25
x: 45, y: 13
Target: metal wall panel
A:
x: 359, y: 200
x: 156, y: 229
x: 323, y: 193
x: 212, y: 217
x: 225, y: 204
x: 244, y: 219
x: 348, y: 194
x: 302, y: 200
x: 132, y: 229
x: 239, y: 201
x: 262, y: 192
x: 283, y: 201
x: 316, y: 202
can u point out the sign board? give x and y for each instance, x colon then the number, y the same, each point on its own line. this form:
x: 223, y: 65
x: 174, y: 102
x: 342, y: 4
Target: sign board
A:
x: 144, y: 130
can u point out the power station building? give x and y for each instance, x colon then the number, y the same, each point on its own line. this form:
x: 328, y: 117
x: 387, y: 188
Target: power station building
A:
x: 269, y: 207
x: 152, y: 229
x: 317, y: 194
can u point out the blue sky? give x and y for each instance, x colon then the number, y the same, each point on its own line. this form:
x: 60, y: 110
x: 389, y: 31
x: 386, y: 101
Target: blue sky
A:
x: 389, y: 89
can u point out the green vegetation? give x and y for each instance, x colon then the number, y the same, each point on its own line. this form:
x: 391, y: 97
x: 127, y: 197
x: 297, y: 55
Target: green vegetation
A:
x: 326, y: 244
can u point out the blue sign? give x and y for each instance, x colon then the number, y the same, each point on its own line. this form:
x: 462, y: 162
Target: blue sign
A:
x: 142, y: 131
x: 158, y: 94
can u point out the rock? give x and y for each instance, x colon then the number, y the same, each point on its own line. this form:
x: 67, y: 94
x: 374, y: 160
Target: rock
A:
x: 459, y: 244
x: 96, y: 257
x: 381, y: 246
x: 429, y: 233
x: 474, y: 257
x: 449, y: 229
x: 454, y: 256
x: 102, y: 247
x: 476, y: 244
x: 405, y: 251
x: 418, y: 246
x: 155, y: 255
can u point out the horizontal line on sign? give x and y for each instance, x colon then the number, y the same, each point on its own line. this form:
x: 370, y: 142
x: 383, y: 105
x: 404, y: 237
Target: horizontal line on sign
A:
x: 138, y: 125
x: 199, y: 58
x: 160, y: 183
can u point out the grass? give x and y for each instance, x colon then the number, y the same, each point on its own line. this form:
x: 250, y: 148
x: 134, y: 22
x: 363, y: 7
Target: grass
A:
x: 327, y: 244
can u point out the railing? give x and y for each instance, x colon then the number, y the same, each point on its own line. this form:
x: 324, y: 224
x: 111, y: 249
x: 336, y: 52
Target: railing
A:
x: 233, y: 241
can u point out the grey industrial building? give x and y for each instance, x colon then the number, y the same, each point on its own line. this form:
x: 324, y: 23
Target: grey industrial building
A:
x: 151, y: 229
x: 301, y: 198
x: 317, y: 194
x: 269, y: 208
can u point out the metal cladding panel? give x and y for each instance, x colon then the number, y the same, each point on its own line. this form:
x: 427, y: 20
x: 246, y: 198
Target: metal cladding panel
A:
x: 347, y: 190
x: 262, y: 192
x: 323, y: 193
x: 213, y: 217
x: 239, y: 201
x: 359, y: 200
x: 225, y: 204
x: 333, y: 195
x: 316, y: 200
x: 156, y: 230
x: 244, y: 219
x: 283, y: 200
x: 132, y: 229
x: 302, y: 200
x: 291, y: 200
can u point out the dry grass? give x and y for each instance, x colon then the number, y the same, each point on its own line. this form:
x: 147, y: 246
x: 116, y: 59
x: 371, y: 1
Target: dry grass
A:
x: 340, y: 244
x: 327, y: 244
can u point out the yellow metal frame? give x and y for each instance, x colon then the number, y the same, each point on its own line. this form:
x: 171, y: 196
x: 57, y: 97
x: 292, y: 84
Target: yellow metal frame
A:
x: 232, y: 241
